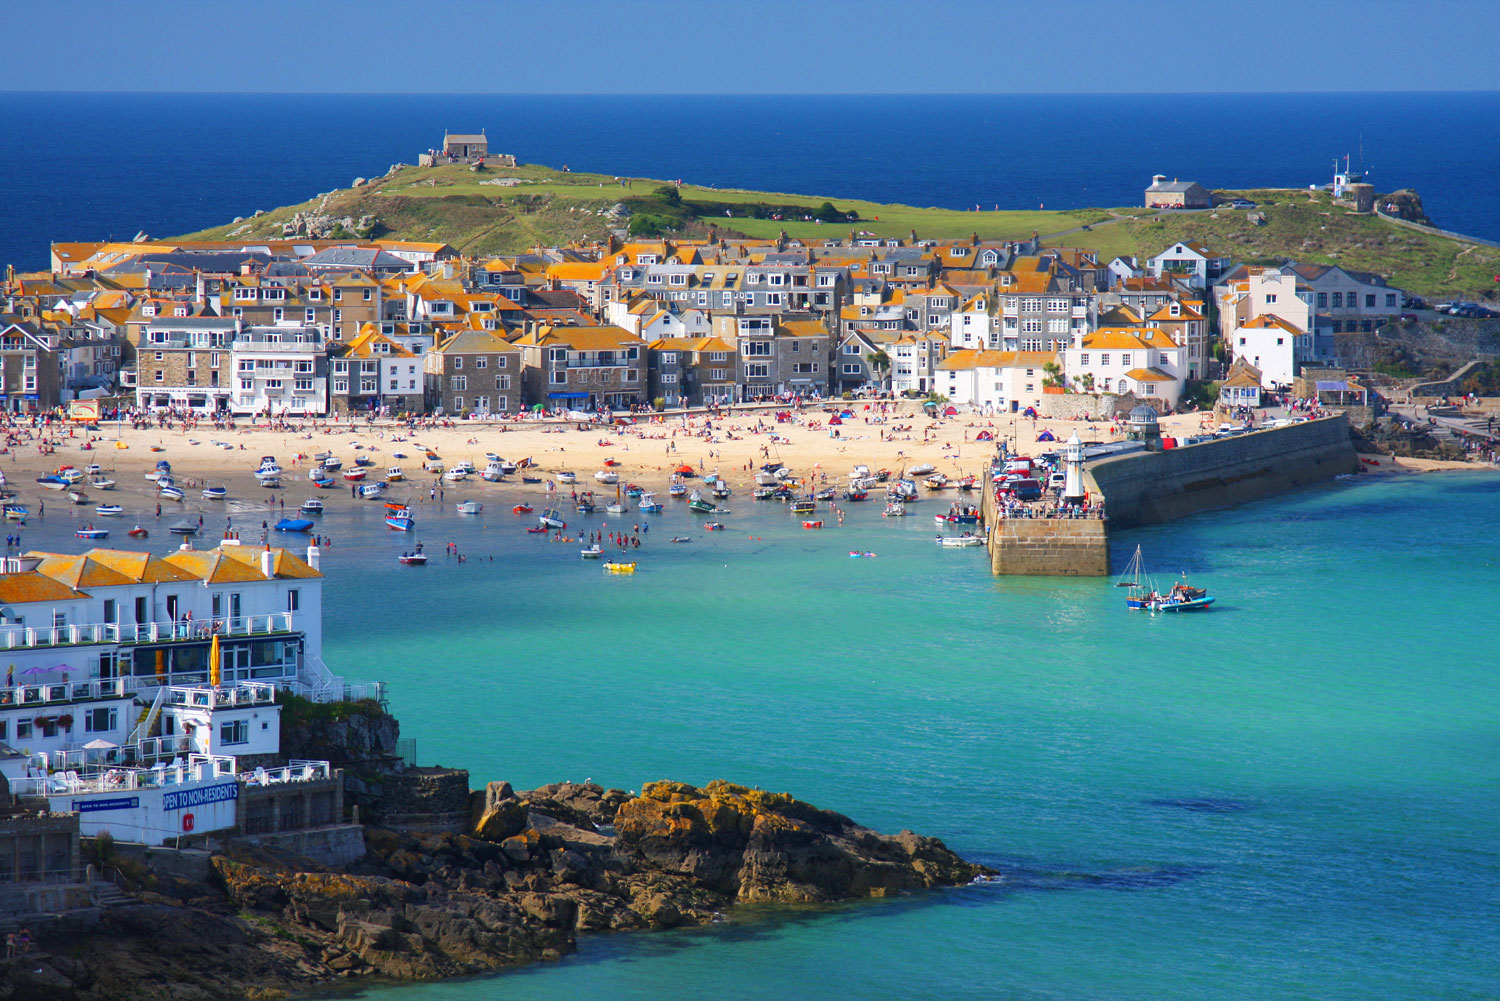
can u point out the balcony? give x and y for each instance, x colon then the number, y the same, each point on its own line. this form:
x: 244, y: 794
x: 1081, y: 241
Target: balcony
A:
x: 13, y: 637
x: 67, y: 692
x: 237, y: 696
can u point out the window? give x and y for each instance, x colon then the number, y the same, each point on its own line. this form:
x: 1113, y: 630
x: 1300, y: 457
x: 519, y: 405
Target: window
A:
x: 302, y: 385
x: 669, y: 358
x: 851, y: 368
x: 1338, y: 300
x: 1390, y: 300
x: 757, y: 349
x: 1150, y: 388
x: 459, y: 382
x: 502, y: 382
x: 718, y: 374
x: 669, y: 378
x: 1322, y: 300
x: 757, y: 371
x: 100, y: 720
x: 458, y: 362
x: 1104, y: 359
x: 339, y: 385
x: 1161, y: 359
x: 558, y: 377
x: 237, y: 732
x: 159, y: 375
x: 1272, y: 298
x: 481, y: 363
x: 1370, y: 300
x: 458, y: 403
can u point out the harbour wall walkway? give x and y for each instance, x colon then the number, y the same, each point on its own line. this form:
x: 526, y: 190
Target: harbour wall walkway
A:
x: 1146, y: 488
x: 1049, y: 547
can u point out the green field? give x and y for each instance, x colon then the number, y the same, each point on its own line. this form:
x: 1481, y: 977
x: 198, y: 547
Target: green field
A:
x: 454, y: 205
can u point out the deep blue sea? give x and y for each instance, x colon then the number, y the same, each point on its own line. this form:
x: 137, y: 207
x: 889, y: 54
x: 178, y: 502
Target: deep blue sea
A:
x: 99, y: 166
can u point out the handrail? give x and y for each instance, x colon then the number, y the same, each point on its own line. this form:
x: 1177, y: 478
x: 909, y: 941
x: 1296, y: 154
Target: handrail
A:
x: 13, y: 637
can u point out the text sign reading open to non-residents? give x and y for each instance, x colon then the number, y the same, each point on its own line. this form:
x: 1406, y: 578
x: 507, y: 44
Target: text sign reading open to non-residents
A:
x: 189, y: 798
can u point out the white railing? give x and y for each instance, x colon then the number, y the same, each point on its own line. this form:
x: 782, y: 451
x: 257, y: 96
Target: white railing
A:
x: 143, y: 726
x: 73, y: 691
x: 237, y: 694
x: 13, y: 637
x: 295, y: 770
x: 197, y: 768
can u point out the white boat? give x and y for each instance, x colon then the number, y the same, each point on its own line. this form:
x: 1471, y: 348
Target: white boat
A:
x: 109, y: 510
x: 271, y: 468
x: 455, y: 475
x: 959, y: 541
x: 493, y: 473
x: 372, y: 491
x: 215, y: 493
x: 78, y: 497
x: 70, y: 475
x: 470, y: 507
x: 566, y: 477
x: 466, y: 467
x: 615, y: 507
x: 268, y: 480
x: 591, y: 553
x: 170, y: 493
x: 153, y: 475
x: 312, y: 506
x: 551, y: 518
x: 102, y: 483
x: 921, y: 469
x: 394, y: 475
x: 765, y: 479
x: 648, y: 503
x: 895, y: 509
x: 332, y: 464
x: 94, y: 469
x: 507, y: 467
x: 491, y: 457
x: 607, y: 476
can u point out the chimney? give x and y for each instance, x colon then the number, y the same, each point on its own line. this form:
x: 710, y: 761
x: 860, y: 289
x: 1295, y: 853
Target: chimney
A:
x: 315, y: 556
x: 268, y: 563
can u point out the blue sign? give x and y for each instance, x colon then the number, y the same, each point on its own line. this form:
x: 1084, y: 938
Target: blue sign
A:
x: 567, y: 396
x: 189, y: 798
x: 118, y: 803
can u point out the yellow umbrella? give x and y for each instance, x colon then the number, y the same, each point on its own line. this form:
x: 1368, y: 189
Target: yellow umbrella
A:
x: 213, y: 661
x: 161, y: 663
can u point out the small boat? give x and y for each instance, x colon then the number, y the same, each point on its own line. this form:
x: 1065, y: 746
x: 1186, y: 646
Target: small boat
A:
x: 631, y: 490
x: 492, y: 457
x: 507, y: 467
x: 138, y: 532
x: 325, y: 483
x: 537, y: 530
x: 521, y: 509
x: 52, y: 482
x: 170, y: 493
x: 363, y: 461
x: 102, y: 483
x: 856, y: 555
x: 94, y: 469
x: 78, y: 497
x: 70, y: 475
x: 316, y: 473
x: 470, y: 507
x: 531, y: 479
x: 551, y: 518
x: 293, y: 525
x: 921, y: 469
x: 1182, y: 598
x: 812, y: 524
x: 16, y: 512
x: 713, y: 526
x: 400, y: 520
x: 455, y: 475
x: 894, y: 509
x: 272, y: 482
x: 394, y: 475
x: 677, y: 490
x: 183, y: 527
x: 619, y: 567
x: 591, y: 553
x: 492, y: 473
x: 615, y: 507
x: 92, y: 533
x: 372, y: 491
x: 697, y: 503
x: 804, y: 507
x: 109, y: 510
x: 312, y: 506
x: 417, y: 559
x: 354, y: 475
x: 720, y: 490
x: 607, y: 476
x: 936, y: 482
x: 268, y: 467
x: 153, y: 475
x: 584, y: 505
x: 966, y: 484
x: 856, y: 495
x: 959, y: 541
x: 567, y: 477
x: 648, y: 503
x: 215, y: 493
x: 765, y: 493
x: 333, y: 464
x: 680, y: 538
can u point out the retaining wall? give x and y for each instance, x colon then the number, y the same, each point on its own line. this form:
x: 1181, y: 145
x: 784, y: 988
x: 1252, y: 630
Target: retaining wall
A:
x: 1049, y: 547
x: 1151, y: 487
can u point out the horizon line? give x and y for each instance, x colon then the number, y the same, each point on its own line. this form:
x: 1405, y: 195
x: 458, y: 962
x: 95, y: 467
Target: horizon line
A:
x: 651, y: 93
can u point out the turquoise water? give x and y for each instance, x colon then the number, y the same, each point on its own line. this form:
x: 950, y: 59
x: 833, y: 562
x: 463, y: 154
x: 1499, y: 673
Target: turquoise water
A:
x: 1291, y: 796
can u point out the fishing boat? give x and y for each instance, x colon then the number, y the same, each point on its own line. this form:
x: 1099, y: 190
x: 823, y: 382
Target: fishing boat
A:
x: 959, y: 541
x: 804, y: 507
x: 470, y: 507
x: 921, y: 469
x: 16, y: 512
x: 551, y: 518
x: 170, y: 493
x: 966, y: 484
x: 398, y: 518
x: 697, y: 503
x: 936, y: 482
x: 567, y: 477
x: 492, y: 473
x: 137, y: 533
x: 591, y: 553
x: 268, y: 466
x: 215, y: 493
x: 521, y: 509
x: 183, y: 527
x: 856, y: 495
x: 272, y: 482
x: 102, y: 483
x: 812, y: 524
x: 607, y: 476
x: 333, y: 464
x: 631, y: 490
x: 109, y: 510
x: 584, y: 504
x: 293, y: 525
x: 354, y: 475
x: 92, y: 533
x: 903, y: 490
x: 1182, y: 597
x: 455, y: 475
x: 312, y: 506
x: 619, y: 567
x: 416, y: 559
x: 372, y: 491
x: 648, y: 503
x: 763, y: 493
x: 894, y: 509
x: 677, y: 490
x: 507, y: 467
x: 52, y: 482
x: 720, y: 490
x: 394, y: 475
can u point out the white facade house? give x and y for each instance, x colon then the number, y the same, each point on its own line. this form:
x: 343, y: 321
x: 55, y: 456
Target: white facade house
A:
x: 1145, y: 361
x: 281, y: 369
x: 1272, y: 345
x: 974, y: 325
x: 1190, y: 262
x: 1266, y: 318
x: 993, y: 381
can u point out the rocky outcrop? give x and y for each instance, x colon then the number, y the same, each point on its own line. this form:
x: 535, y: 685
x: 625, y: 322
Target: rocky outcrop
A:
x: 538, y: 868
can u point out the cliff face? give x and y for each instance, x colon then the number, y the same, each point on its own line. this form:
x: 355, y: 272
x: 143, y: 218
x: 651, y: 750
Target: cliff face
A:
x: 537, y: 868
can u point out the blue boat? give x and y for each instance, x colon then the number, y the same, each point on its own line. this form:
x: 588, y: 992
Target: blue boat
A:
x: 398, y: 517
x: 92, y: 533
x: 293, y: 525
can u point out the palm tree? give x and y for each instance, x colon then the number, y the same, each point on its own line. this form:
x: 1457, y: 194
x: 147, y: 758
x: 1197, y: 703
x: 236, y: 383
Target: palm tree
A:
x: 1051, y: 374
x: 880, y: 362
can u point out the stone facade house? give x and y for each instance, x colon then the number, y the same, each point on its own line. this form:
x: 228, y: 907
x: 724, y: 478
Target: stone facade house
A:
x: 374, y: 372
x: 473, y: 372
x: 583, y: 368
x: 186, y: 363
x: 1177, y: 194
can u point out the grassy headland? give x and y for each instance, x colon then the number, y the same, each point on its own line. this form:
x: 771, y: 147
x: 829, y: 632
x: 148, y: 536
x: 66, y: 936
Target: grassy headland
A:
x: 547, y: 207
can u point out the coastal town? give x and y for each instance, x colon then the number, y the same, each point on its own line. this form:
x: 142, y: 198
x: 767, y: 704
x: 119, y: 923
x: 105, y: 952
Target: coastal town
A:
x: 1037, y: 393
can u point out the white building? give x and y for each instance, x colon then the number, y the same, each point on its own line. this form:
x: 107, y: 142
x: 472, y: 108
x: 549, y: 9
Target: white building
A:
x: 974, y: 325
x: 280, y: 369
x: 993, y: 381
x: 1190, y: 262
x: 1272, y: 345
x: 1266, y: 318
x: 1145, y: 361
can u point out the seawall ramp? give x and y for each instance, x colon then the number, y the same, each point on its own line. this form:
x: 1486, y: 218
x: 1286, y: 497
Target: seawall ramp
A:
x: 1151, y: 487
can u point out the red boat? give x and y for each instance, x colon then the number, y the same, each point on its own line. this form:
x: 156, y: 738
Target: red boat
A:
x: 353, y: 475
x: 537, y: 530
x: 137, y: 533
x: 812, y: 524
x: 521, y: 509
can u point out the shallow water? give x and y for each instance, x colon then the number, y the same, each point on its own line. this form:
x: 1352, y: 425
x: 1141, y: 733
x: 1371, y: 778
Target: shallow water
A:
x: 1292, y: 795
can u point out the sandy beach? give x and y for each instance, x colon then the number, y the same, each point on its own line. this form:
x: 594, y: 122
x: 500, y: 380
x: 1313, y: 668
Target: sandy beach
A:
x: 646, y: 452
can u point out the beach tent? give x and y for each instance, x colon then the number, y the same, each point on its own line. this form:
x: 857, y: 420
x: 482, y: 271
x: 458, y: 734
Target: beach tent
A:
x: 1046, y: 436
x: 1029, y: 412
x: 951, y: 412
x: 984, y: 436
x: 835, y: 419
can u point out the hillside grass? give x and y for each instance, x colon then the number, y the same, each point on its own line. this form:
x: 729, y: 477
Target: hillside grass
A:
x: 451, y: 204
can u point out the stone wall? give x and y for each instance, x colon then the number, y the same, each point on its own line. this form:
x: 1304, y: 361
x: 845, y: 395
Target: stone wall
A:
x: 1077, y: 406
x: 336, y: 845
x: 1050, y: 547
x: 426, y: 799
x: 1151, y: 487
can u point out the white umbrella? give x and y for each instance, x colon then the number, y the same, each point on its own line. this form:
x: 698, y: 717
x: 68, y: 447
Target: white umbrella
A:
x: 99, y: 744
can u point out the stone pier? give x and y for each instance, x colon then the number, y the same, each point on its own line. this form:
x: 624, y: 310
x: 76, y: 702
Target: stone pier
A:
x: 1050, y: 547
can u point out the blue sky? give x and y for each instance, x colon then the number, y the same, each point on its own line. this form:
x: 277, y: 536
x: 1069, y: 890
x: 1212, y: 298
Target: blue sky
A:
x: 752, y: 46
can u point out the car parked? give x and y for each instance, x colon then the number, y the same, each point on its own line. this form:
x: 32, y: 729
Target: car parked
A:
x: 1242, y: 203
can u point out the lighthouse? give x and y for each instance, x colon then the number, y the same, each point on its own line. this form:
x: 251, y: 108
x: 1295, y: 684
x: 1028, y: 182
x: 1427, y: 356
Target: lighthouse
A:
x: 1073, y: 480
